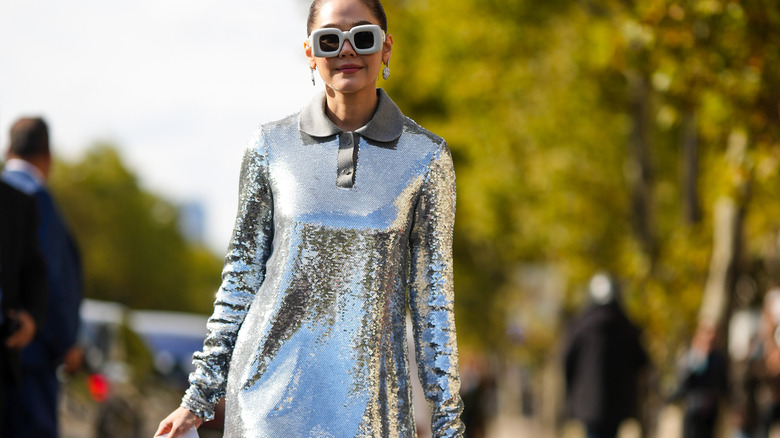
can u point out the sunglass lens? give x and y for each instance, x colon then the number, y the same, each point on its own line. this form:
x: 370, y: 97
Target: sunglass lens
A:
x: 329, y: 43
x: 364, y: 40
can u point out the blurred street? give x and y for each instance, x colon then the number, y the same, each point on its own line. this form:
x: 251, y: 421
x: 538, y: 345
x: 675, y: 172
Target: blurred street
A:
x: 669, y: 426
x: 78, y: 425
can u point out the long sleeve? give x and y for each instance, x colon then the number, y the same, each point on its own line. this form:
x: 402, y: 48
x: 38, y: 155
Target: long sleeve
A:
x: 242, y: 276
x: 60, y: 328
x: 34, y: 287
x: 431, y: 295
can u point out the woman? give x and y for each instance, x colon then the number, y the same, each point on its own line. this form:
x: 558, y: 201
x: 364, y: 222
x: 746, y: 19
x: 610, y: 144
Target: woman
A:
x: 341, y: 208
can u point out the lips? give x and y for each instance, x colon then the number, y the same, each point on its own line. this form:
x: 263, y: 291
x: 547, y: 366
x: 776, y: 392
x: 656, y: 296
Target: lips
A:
x: 349, y: 68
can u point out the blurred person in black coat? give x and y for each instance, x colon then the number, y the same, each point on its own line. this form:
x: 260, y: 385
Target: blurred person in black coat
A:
x: 603, y: 360
x: 23, y: 295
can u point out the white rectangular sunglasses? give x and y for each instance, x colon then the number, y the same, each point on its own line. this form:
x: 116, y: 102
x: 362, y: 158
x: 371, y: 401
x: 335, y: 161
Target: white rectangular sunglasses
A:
x: 365, y: 39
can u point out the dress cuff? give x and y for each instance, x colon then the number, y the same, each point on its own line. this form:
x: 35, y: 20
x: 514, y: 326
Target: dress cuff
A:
x: 200, y: 408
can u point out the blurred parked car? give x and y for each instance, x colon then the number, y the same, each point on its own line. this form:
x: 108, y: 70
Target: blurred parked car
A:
x: 135, y: 366
x: 172, y: 337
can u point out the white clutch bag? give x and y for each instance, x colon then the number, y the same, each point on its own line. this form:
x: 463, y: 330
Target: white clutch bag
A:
x: 190, y: 433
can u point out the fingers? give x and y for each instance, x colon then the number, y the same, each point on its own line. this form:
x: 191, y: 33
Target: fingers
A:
x: 167, y: 424
x: 178, y: 422
x: 24, y: 333
x: 163, y: 428
x: 15, y: 341
x: 73, y: 360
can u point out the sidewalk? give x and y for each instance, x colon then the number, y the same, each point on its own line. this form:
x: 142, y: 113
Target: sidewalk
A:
x: 669, y: 426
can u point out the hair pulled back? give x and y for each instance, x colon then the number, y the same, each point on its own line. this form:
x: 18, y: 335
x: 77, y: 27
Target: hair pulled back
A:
x: 374, y: 5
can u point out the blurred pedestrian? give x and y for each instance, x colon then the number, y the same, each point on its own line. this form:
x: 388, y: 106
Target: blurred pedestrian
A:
x: 746, y: 369
x: 603, y: 361
x: 23, y: 294
x: 33, y: 410
x: 703, y: 383
x: 478, y: 390
x: 769, y: 333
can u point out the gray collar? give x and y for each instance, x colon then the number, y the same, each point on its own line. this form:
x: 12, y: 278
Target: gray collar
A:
x: 386, y: 125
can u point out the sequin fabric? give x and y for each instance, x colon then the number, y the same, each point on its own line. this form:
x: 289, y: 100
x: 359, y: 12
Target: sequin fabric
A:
x: 308, y: 338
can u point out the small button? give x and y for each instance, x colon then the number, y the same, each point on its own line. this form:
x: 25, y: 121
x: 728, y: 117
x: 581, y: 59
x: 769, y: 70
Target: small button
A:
x: 346, y: 172
x: 349, y: 140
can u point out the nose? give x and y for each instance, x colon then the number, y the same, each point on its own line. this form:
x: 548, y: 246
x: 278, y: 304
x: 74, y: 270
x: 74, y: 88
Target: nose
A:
x: 347, y: 49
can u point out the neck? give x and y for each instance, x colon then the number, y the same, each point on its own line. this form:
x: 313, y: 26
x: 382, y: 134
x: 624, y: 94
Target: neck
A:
x: 41, y: 163
x: 350, y: 111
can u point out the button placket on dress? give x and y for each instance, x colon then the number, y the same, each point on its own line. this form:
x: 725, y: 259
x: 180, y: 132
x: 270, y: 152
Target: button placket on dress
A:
x: 347, y: 159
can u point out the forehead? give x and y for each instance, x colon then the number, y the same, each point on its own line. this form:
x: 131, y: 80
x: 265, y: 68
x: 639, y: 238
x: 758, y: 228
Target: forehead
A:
x: 344, y: 14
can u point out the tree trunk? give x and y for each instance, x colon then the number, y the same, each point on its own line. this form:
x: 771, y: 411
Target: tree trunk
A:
x: 640, y: 168
x: 729, y: 216
x: 690, y: 168
x: 727, y: 237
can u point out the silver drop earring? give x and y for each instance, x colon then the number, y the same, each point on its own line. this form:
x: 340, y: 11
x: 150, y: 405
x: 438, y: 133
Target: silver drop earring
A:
x: 312, y: 77
x: 386, y: 70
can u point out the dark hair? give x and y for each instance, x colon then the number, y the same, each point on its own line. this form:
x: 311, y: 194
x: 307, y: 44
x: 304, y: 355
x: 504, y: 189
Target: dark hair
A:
x: 374, y: 5
x: 29, y: 137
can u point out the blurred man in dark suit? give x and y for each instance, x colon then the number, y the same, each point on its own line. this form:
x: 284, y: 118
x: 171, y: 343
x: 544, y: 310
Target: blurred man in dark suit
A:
x: 23, y: 291
x: 34, y: 408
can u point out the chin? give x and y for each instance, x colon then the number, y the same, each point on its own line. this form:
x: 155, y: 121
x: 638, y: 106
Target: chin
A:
x: 349, y: 86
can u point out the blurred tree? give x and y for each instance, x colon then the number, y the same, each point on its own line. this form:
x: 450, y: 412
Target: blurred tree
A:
x: 713, y: 67
x: 539, y: 154
x: 132, y: 248
x: 600, y: 134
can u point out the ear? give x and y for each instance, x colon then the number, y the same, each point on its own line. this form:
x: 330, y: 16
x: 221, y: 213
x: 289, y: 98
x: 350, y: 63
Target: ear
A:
x: 309, y: 55
x: 387, y: 49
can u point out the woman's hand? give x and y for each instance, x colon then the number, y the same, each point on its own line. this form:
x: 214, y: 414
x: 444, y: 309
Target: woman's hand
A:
x: 178, y: 422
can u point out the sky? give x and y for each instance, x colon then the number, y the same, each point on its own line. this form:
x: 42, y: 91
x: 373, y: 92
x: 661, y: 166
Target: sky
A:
x: 178, y: 86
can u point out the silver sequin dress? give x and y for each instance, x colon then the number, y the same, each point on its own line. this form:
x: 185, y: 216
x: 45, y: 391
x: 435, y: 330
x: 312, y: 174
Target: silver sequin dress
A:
x: 336, y: 234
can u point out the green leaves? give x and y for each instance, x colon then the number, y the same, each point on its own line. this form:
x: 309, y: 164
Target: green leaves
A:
x: 131, y: 246
x: 544, y: 105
